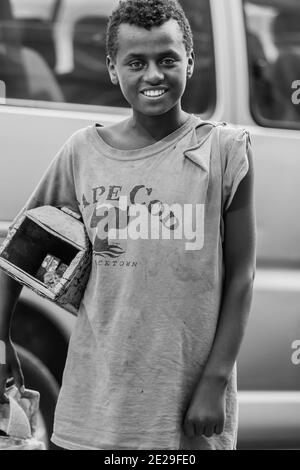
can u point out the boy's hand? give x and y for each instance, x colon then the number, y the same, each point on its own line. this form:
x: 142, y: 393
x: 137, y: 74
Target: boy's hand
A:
x: 10, y: 366
x: 205, y: 414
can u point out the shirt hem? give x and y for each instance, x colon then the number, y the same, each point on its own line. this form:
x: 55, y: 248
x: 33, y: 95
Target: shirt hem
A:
x: 73, y: 446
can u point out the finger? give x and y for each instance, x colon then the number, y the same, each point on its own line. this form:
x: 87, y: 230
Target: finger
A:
x: 3, y: 399
x: 208, y: 430
x: 219, y: 428
x: 3, y: 377
x: 199, y: 427
x: 10, y: 381
x: 17, y: 372
x: 18, y: 376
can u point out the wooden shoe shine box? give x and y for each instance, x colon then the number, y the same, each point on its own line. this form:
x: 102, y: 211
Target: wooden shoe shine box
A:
x: 48, y: 250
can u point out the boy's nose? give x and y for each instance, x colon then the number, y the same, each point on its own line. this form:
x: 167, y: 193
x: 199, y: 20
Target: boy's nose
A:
x: 153, y: 74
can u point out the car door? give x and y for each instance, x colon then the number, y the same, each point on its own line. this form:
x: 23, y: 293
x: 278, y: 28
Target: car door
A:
x: 265, y: 46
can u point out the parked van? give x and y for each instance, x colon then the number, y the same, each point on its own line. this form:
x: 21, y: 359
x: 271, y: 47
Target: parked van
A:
x: 52, y: 67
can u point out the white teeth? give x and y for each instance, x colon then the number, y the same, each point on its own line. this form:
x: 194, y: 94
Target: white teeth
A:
x: 154, y: 92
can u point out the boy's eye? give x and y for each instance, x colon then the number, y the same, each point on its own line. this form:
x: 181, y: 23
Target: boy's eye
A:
x: 168, y: 61
x: 136, y: 64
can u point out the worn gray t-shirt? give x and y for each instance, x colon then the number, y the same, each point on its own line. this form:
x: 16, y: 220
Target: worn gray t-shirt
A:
x: 148, y: 318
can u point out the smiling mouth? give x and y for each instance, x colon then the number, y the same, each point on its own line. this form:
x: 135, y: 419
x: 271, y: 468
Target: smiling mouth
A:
x: 154, y: 94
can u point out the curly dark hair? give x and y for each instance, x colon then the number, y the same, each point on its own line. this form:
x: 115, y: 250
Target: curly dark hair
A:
x: 146, y: 13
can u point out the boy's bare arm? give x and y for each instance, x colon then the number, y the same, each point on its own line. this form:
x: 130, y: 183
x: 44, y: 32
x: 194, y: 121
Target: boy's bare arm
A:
x: 207, y: 404
x: 240, y: 264
x: 9, y: 361
x: 10, y: 290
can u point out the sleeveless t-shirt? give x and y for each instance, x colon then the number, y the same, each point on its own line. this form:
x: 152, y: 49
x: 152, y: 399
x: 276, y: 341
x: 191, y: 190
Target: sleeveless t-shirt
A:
x: 147, y: 321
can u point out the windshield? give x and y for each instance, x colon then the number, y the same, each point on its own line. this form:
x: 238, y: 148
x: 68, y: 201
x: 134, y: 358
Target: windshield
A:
x: 273, y: 38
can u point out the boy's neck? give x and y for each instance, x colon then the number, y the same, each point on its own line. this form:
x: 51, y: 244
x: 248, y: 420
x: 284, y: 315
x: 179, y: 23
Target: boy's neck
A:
x: 157, y: 127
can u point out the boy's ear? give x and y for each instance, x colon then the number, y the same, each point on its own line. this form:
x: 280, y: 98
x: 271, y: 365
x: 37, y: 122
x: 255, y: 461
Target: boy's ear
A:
x: 190, y: 65
x: 112, y: 70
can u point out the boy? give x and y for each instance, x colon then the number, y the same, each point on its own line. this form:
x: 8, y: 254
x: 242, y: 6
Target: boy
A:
x: 167, y: 200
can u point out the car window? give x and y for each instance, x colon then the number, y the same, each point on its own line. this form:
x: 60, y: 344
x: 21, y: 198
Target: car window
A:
x: 55, y: 55
x: 273, y: 38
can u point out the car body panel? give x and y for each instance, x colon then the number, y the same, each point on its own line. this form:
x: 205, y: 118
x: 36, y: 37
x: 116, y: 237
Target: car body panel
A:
x: 269, y: 420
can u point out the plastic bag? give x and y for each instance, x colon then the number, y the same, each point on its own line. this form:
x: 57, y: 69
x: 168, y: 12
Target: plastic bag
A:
x: 18, y: 420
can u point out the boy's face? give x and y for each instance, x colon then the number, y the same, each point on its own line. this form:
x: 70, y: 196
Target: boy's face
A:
x: 151, y: 67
